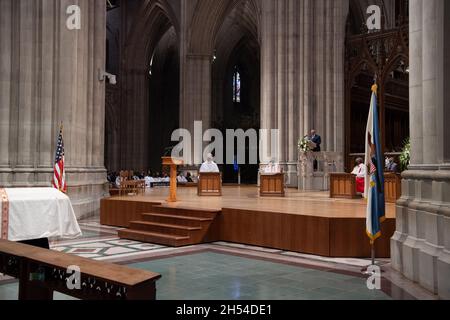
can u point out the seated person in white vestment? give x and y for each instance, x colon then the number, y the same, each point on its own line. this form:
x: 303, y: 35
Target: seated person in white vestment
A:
x: 272, y: 167
x: 118, y: 181
x: 149, y: 181
x: 209, y: 165
x: 165, y: 178
x: 360, y: 172
x: 181, y: 179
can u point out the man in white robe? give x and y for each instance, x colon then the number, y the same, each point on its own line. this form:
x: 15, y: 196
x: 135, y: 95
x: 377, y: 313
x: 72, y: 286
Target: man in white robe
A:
x: 209, y: 165
x: 272, y: 167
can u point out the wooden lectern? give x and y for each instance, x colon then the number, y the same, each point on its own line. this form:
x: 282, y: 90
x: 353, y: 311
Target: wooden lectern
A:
x: 272, y: 185
x: 172, y: 163
x: 210, y: 184
x: 343, y: 185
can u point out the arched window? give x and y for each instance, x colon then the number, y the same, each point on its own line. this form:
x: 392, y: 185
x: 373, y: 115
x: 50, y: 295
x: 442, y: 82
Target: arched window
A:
x: 236, y: 86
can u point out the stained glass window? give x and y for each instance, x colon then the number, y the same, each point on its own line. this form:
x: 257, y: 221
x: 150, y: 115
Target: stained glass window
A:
x: 236, y: 86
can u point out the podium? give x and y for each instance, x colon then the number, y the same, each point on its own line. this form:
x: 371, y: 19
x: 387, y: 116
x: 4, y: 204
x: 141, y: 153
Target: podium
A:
x: 343, y: 185
x: 172, y: 163
x: 210, y: 184
x: 311, y: 145
x: 272, y: 185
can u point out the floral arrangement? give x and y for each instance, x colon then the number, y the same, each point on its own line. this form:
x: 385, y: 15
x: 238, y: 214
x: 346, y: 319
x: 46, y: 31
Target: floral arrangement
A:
x: 303, y: 144
x: 405, y: 156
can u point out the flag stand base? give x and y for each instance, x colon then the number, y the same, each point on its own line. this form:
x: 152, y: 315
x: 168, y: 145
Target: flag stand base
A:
x: 365, y: 270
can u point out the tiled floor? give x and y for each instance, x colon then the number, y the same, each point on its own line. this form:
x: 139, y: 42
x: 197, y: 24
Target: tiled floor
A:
x: 224, y: 271
x: 211, y: 275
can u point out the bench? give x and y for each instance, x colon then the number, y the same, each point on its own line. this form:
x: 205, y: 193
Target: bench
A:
x: 41, y: 272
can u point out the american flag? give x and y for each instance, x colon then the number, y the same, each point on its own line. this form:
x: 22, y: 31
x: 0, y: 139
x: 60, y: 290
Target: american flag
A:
x: 59, y: 175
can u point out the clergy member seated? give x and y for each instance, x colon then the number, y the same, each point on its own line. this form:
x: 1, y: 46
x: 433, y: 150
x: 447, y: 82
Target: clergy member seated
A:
x: 149, y: 180
x: 360, y: 172
x: 272, y: 167
x: 181, y: 179
x: 391, y: 166
x: 209, y: 181
x: 209, y: 165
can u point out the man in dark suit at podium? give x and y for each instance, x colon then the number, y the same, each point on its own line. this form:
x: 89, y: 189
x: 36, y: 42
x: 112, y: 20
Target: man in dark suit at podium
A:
x: 316, y: 139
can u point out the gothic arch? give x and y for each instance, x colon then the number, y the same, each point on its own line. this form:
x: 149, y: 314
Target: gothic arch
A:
x: 154, y: 19
x: 209, y: 17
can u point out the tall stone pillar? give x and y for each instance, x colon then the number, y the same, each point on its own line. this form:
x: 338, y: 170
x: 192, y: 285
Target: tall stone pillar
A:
x: 196, y: 76
x: 302, y: 56
x: 49, y: 74
x: 196, y: 103
x: 420, y: 247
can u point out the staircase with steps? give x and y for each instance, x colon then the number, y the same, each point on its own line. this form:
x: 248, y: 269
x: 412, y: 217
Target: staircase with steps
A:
x: 172, y: 226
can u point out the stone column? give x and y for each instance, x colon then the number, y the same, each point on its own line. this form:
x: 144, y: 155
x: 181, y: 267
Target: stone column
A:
x: 134, y: 120
x: 196, y: 103
x: 196, y: 78
x: 302, y: 56
x: 49, y: 74
x: 420, y: 247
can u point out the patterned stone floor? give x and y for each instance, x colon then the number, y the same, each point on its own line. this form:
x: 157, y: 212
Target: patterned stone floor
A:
x: 224, y: 271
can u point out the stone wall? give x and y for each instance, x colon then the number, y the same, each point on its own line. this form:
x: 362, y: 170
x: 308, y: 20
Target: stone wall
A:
x: 49, y: 75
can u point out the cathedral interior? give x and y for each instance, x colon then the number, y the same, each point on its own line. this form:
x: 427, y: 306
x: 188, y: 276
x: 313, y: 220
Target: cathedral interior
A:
x: 290, y: 65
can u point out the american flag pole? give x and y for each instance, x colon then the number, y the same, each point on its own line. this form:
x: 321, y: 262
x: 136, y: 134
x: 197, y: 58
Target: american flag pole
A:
x: 59, y: 179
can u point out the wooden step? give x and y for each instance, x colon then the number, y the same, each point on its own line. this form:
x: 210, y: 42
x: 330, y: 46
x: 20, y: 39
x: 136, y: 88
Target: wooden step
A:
x: 176, y: 219
x: 164, y: 228
x: 186, y: 211
x: 154, y: 237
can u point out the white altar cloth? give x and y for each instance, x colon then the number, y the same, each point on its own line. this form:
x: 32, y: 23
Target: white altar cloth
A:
x: 35, y: 213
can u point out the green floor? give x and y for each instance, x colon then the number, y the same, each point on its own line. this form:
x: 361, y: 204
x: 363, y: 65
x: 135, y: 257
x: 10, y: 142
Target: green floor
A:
x: 213, y: 276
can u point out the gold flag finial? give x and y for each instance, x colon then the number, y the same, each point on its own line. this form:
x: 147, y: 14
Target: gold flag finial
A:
x: 375, y: 88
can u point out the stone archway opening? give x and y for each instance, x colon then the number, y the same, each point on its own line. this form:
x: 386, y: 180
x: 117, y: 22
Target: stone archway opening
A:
x: 236, y: 83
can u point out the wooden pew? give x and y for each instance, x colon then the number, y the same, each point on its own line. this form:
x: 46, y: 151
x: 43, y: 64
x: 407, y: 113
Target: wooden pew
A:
x: 210, y: 184
x: 41, y: 272
x: 272, y: 185
x: 343, y: 185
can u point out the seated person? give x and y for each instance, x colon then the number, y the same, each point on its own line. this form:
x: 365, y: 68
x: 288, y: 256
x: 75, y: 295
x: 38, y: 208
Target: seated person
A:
x: 181, y: 178
x: 391, y: 166
x: 118, y: 181
x: 209, y: 165
x: 360, y: 172
x: 189, y: 177
x: 149, y: 181
x: 272, y: 167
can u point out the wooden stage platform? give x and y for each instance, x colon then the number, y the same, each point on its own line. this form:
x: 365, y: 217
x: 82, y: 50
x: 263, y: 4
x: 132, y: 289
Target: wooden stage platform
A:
x: 306, y: 222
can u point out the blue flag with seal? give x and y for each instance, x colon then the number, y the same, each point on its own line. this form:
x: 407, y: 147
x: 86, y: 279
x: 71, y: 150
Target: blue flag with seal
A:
x: 374, y: 182
x: 235, y: 165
